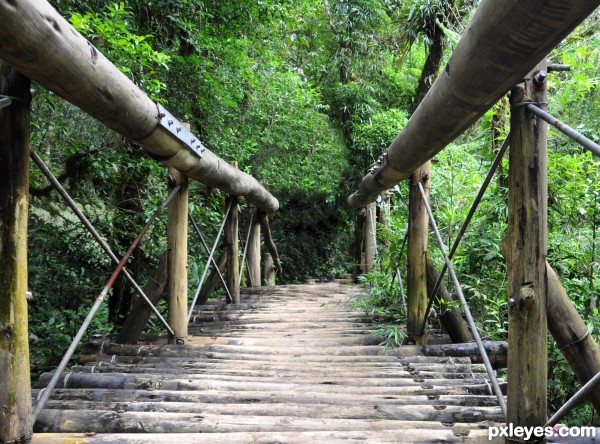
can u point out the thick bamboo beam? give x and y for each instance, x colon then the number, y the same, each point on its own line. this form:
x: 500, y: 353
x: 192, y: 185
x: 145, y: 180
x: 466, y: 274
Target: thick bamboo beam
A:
x: 177, y: 256
x: 15, y: 389
x: 54, y: 54
x: 418, y: 232
x: 232, y: 274
x: 370, y: 237
x: 526, y: 262
x: 572, y: 335
x: 479, y: 72
x: 254, y: 252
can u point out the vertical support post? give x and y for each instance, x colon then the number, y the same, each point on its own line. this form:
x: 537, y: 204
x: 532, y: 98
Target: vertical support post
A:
x: 418, y: 230
x: 15, y: 389
x: 527, y: 282
x: 177, y: 234
x: 232, y: 247
x: 253, y: 255
x: 359, y: 238
x: 370, y: 238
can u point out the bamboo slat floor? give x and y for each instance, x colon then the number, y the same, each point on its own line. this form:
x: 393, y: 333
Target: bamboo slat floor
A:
x: 289, y: 364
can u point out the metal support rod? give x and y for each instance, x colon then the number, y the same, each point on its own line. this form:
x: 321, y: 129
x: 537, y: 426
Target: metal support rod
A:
x: 214, y: 263
x: 466, y: 310
x: 85, y: 221
x: 210, y: 258
x: 5, y: 101
x: 465, y: 225
x: 565, y: 129
x: 575, y: 400
x: 555, y: 67
x: 245, y: 249
x: 86, y: 323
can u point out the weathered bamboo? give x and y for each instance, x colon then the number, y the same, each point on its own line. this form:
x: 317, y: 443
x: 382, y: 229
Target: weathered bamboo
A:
x: 456, y: 327
x: 370, y: 237
x: 526, y: 262
x: 496, y: 351
x: 15, y: 402
x: 572, y: 335
x: 418, y: 232
x: 55, y: 55
x: 479, y: 72
x: 254, y: 252
x: 232, y: 273
x: 359, y: 238
x: 466, y: 435
x: 141, y: 312
x: 177, y: 256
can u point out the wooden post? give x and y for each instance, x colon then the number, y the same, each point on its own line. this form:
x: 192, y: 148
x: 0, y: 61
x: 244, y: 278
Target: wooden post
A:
x: 370, y: 237
x: 177, y: 258
x: 253, y: 255
x: 418, y: 230
x: 232, y: 247
x: 527, y: 217
x: 359, y: 238
x: 15, y: 389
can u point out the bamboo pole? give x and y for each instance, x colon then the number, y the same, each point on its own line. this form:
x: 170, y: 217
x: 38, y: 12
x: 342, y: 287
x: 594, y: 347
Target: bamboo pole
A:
x: 479, y: 72
x: 527, y: 216
x: 15, y: 389
x: 370, y: 238
x: 572, y: 335
x: 177, y: 253
x: 232, y: 247
x: 254, y: 252
x: 418, y: 232
x: 56, y: 56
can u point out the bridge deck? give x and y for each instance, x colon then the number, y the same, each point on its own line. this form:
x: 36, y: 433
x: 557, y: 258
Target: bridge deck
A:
x: 289, y: 364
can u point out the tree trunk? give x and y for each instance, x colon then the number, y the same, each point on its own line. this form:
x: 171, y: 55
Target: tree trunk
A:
x: 177, y: 258
x: 253, y: 255
x: 15, y: 389
x: 418, y: 231
x: 269, y: 243
x: 141, y: 312
x: 453, y: 322
x: 527, y: 215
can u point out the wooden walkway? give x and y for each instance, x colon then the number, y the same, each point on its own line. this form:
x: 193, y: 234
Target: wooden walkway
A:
x: 289, y: 364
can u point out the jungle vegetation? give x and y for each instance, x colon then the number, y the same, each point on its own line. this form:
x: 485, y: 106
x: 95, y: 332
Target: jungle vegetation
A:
x: 304, y: 94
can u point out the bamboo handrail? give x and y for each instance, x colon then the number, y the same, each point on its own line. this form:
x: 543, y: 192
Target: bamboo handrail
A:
x: 478, y: 73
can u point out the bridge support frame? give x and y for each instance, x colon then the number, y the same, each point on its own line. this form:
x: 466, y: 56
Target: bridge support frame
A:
x: 527, y: 281
x: 15, y: 389
x: 418, y: 233
x: 177, y: 234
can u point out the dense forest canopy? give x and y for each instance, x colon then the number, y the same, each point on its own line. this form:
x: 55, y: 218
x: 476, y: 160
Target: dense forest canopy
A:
x: 304, y: 94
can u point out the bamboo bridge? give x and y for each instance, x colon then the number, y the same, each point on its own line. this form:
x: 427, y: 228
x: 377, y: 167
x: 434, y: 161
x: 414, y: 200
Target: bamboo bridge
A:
x: 294, y: 363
